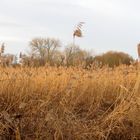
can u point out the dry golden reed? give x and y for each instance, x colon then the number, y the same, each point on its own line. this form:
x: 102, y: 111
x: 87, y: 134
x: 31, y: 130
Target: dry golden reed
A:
x: 52, y: 103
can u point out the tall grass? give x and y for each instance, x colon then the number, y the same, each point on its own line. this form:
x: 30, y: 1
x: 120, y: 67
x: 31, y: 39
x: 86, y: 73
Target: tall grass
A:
x: 69, y: 103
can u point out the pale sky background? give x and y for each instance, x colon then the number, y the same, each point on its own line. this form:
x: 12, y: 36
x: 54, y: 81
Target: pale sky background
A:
x: 110, y: 24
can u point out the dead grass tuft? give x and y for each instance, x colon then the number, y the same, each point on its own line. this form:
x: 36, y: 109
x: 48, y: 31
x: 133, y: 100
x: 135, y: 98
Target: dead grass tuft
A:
x: 69, y: 103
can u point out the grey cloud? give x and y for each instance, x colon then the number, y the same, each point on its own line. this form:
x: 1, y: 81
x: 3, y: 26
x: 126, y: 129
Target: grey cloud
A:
x: 108, y: 27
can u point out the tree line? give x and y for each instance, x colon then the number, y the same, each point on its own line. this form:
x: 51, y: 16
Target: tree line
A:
x: 47, y: 51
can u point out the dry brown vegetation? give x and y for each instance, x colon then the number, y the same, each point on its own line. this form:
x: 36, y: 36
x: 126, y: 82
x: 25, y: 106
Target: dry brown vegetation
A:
x: 51, y: 103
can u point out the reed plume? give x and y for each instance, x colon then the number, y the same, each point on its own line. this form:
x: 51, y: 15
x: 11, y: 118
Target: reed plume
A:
x: 78, y: 32
x: 139, y: 51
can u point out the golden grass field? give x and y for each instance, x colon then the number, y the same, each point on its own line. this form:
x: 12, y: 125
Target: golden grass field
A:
x: 51, y: 103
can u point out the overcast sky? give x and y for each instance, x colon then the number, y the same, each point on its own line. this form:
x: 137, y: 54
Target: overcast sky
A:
x: 110, y: 24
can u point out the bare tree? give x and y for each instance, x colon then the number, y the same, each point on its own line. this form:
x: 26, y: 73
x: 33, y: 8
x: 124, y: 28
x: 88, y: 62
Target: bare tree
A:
x: 74, y: 55
x: 44, y: 48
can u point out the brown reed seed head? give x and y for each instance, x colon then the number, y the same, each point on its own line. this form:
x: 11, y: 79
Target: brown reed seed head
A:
x: 2, y: 48
x: 77, y: 31
x: 20, y: 55
x: 139, y: 50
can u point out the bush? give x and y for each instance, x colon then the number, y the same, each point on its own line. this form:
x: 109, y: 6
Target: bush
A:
x: 114, y: 58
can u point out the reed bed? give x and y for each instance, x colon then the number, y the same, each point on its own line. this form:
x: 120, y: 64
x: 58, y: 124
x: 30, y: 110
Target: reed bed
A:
x: 51, y: 103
